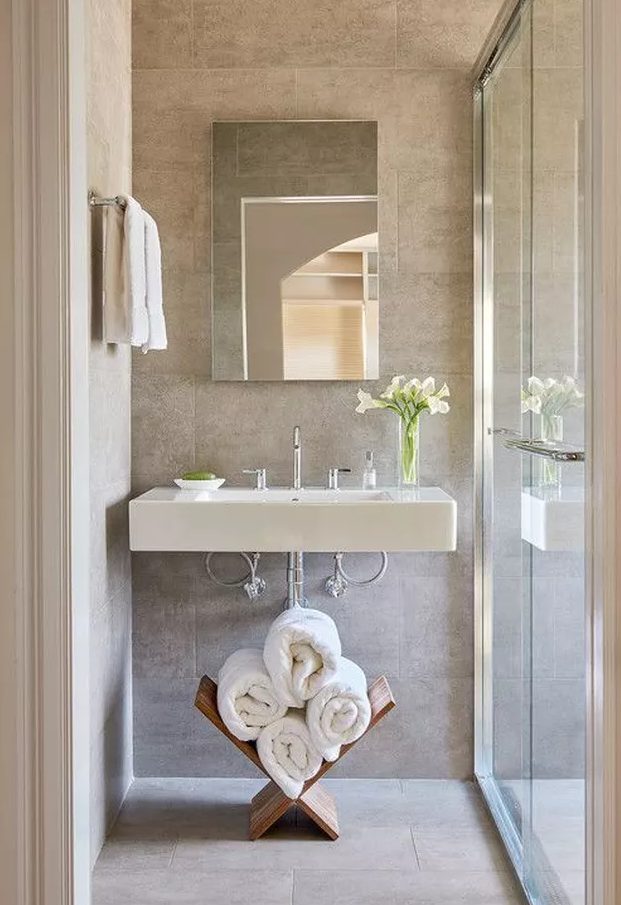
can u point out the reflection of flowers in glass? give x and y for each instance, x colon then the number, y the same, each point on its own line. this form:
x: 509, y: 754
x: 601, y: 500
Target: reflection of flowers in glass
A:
x: 408, y: 399
x: 551, y: 397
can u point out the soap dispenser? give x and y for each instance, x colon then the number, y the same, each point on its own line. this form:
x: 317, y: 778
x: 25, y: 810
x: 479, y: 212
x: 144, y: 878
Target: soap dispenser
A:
x: 369, y: 478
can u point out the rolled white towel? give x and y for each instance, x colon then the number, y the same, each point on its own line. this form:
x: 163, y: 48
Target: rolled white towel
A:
x: 301, y: 653
x: 341, y: 712
x: 288, y: 754
x: 246, y: 698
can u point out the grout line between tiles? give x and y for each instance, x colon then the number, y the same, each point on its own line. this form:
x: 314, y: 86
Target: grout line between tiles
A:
x: 464, y: 70
x: 397, y: 223
x: 194, y: 418
x: 174, y: 852
x: 396, y: 45
x: 192, y: 41
x: 414, y: 847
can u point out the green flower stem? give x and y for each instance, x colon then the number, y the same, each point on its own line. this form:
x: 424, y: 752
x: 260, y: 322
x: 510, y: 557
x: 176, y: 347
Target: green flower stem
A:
x: 551, y: 430
x: 409, y: 449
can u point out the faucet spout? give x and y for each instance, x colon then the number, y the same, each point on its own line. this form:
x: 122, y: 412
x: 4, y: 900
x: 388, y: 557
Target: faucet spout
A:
x: 297, y: 459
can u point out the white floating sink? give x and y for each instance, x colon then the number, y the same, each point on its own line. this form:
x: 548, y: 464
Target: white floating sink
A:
x: 280, y: 519
x: 552, y: 519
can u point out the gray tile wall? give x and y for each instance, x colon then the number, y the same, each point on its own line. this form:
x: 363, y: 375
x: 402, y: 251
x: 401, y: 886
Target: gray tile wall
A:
x: 405, y: 65
x: 109, y: 172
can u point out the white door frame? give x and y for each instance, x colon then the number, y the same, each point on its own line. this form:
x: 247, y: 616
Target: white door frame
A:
x: 44, y: 456
x: 44, y: 532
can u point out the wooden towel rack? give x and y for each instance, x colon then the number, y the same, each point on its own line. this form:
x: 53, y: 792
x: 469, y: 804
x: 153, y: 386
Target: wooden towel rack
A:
x: 271, y: 803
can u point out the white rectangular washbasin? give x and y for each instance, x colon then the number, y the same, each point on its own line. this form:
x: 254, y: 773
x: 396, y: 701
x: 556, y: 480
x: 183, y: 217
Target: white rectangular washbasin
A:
x: 281, y: 519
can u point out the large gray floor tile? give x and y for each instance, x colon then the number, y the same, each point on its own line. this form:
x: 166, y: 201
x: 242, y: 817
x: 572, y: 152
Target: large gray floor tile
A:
x: 440, y: 804
x: 209, y: 806
x: 301, y: 847
x: 459, y: 849
x: 368, y: 802
x: 192, y: 888
x: 149, y: 848
x: 380, y: 887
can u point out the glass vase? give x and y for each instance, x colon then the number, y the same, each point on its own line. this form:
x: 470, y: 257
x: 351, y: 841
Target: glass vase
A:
x: 548, y: 474
x: 409, y: 452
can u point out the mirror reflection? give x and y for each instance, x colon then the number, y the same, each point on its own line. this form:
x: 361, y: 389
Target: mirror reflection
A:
x: 295, y: 251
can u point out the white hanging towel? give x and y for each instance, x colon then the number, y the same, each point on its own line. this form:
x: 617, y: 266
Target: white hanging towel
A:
x: 126, y: 318
x: 157, y: 338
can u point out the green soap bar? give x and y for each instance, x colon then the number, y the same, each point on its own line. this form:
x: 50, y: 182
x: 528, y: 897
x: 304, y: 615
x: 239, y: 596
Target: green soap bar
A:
x: 199, y: 476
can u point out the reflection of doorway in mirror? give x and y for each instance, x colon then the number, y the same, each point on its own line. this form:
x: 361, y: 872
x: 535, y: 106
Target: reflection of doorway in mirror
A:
x: 330, y: 314
x: 305, y: 244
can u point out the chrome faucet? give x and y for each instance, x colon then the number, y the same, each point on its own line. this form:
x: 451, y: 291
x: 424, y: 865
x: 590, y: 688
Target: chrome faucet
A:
x: 297, y: 459
x: 333, y: 477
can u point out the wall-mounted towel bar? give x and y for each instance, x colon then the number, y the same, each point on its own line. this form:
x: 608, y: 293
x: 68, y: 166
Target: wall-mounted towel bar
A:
x: 559, y: 453
x: 95, y: 201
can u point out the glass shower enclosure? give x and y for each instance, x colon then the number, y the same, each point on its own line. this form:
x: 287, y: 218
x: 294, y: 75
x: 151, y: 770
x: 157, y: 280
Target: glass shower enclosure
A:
x: 530, y: 692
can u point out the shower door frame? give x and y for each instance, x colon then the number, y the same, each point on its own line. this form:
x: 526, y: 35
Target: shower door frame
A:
x: 503, y: 32
x: 602, y: 66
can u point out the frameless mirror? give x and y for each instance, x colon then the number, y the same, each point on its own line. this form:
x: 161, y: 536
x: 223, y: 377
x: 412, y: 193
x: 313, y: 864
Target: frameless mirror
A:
x: 295, y: 251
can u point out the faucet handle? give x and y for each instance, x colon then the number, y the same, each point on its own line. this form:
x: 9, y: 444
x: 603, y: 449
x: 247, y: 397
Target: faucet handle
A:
x: 261, y: 476
x: 333, y: 477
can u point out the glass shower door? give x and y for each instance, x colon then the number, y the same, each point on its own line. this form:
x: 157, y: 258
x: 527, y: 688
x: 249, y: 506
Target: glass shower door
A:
x: 556, y: 867
x: 530, y: 437
x: 506, y: 223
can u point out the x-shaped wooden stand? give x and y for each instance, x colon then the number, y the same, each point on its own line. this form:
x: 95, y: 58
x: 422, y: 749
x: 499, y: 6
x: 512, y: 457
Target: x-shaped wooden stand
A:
x: 271, y: 803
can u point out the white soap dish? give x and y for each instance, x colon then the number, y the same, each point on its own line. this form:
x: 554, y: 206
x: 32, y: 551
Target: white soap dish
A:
x: 212, y: 484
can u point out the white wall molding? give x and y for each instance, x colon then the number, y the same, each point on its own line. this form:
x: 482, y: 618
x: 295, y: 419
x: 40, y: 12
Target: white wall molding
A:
x: 44, y: 453
x: 603, y: 197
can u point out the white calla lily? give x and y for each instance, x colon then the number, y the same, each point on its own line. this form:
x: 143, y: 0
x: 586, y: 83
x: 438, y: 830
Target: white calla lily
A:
x: 429, y: 387
x: 392, y: 388
x: 437, y: 406
x: 366, y: 401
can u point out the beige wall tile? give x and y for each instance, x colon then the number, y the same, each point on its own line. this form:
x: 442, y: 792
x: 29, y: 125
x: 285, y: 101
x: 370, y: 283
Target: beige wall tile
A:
x: 163, y: 423
x: 442, y: 33
x: 416, y: 110
x: 435, y: 217
x: 109, y: 427
x: 162, y: 34
x: 217, y: 94
x: 109, y: 548
x: 275, y: 33
x: 426, y: 321
x: 187, y: 297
